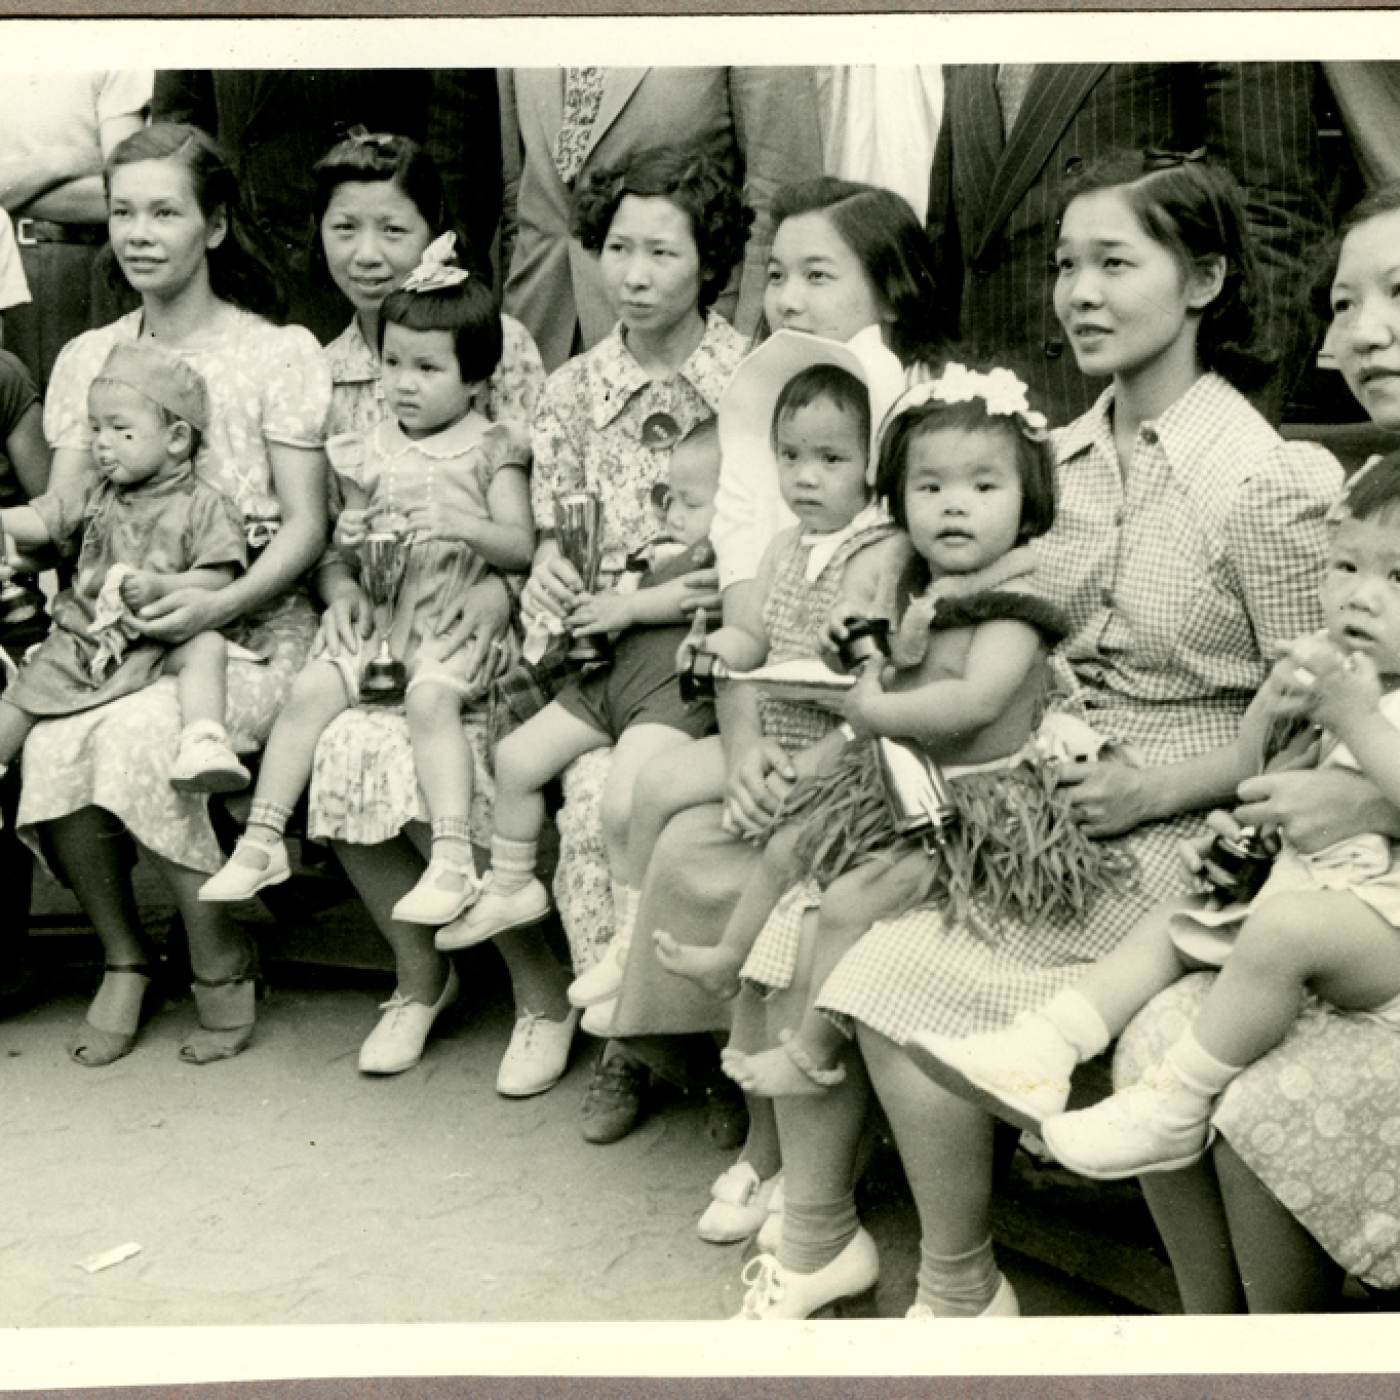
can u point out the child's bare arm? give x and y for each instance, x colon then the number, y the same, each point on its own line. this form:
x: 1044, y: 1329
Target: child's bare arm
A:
x: 1000, y: 662
x: 25, y: 527
x: 504, y: 537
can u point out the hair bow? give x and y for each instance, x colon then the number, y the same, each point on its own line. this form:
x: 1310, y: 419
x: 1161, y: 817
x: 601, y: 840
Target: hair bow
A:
x: 434, y: 272
x: 362, y: 136
x: 1003, y: 393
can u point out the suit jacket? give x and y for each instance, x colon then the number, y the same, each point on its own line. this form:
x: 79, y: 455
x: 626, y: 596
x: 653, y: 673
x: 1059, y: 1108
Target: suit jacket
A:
x: 767, y: 116
x: 993, y: 204
x: 276, y: 124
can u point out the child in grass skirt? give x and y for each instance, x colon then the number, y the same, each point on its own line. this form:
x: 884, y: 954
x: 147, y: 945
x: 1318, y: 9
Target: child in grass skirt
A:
x: 967, y: 473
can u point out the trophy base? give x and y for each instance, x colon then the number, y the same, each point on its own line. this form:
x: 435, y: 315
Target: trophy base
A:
x: 383, y: 685
x: 587, y: 649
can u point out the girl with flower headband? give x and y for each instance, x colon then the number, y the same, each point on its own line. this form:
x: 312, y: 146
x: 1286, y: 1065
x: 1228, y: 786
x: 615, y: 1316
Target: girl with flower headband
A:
x: 1187, y: 542
x: 455, y: 485
x: 967, y: 475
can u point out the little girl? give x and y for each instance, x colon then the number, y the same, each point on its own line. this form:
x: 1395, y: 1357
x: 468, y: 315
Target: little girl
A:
x: 1324, y: 922
x: 150, y: 526
x: 967, y: 473
x: 439, y: 472
x: 631, y: 702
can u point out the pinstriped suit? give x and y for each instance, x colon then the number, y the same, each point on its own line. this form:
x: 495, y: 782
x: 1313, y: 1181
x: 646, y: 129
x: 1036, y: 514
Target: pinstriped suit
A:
x: 992, y: 205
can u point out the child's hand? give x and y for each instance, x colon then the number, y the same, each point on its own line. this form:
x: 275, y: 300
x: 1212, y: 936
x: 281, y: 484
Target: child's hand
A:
x: 1346, y: 690
x: 862, y: 702
x: 599, y: 612
x: 442, y: 520
x: 140, y: 588
x: 1193, y: 850
x: 351, y: 527
x: 693, y: 644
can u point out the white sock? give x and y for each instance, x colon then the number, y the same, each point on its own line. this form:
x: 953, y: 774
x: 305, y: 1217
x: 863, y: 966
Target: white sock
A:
x: 512, y: 863
x: 1197, y: 1069
x: 1078, y: 1020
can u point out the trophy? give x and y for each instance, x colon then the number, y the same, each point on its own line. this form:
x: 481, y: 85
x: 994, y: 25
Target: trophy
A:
x: 915, y: 788
x: 16, y: 605
x: 578, y: 531
x: 383, y: 558
x: 1242, y: 863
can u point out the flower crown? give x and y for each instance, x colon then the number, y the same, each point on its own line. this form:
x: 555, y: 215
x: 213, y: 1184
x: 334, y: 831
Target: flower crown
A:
x: 1003, y: 393
x: 434, y: 272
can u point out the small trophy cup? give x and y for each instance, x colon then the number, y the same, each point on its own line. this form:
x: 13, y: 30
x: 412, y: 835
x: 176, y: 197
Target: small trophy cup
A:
x: 1243, y: 861
x: 578, y: 530
x: 16, y: 606
x: 914, y: 785
x: 383, y: 558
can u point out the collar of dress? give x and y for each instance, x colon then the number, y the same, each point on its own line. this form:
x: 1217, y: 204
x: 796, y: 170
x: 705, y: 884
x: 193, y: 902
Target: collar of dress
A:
x: 615, y: 377
x: 462, y: 436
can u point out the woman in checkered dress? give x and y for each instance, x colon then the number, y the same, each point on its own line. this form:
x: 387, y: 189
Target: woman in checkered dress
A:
x: 1187, y: 541
x: 1301, y: 1186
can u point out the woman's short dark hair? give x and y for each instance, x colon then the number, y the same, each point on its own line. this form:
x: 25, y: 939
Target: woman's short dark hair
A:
x: 1194, y: 208
x: 885, y: 235
x: 1035, y: 461
x: 247, y: 267
x: 699, y: 182
x: 467, y: 311
x: 833, y: 384
x: 368, y: 157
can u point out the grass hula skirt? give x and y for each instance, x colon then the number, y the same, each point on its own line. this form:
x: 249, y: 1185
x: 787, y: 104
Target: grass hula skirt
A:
x: 1014, y: 851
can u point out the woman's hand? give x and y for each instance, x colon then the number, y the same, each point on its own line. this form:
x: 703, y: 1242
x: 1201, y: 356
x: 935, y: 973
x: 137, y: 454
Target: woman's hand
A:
x: 182, y: 614
x: 351, y: 527
x: 347, y: 622
x: 554, y: 588
x: 697, y: 590
x: 759, y: 779
x: 608, y: 611
x: 1108, y: 798
x: 479, y: 621
x: 1313, y: 807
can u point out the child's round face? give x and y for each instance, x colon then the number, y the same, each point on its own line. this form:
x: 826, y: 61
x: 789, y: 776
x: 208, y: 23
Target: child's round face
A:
x: 131, y: 441
x: 1361, y: 589
x: 816, y: 283
x: 822, y: 454
x: 1365, y: 332
x: 651, y: 265
x: 1124, y: 300
x: 690, y: 498
x: 962, y: 496
x: 373, y: 236
x: 423, y: 382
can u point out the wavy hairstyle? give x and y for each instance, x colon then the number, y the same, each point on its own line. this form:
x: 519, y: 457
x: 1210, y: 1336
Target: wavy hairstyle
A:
x: 246, y: 268
x: 701, y: 183
x: 883, y: 232
x: 1194, y: 208
x: 370, y: 157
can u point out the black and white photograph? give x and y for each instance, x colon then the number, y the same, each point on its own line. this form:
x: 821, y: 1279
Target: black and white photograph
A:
x: 649, y: 679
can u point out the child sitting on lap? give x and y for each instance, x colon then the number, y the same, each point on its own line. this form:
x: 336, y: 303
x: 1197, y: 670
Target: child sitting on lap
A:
x: 1325, y: 922
x: 453, y: 486
x: 150, y: 526
x: 631, y: 701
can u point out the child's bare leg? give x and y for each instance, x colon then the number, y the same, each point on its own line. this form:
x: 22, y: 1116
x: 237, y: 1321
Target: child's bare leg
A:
x: 526, y: 760
x: 717, y: 969
x: 808, y: 1061
x: 14, y: 730
x: 200, y: 668
x: 442, y: 760
x: 1330, y: 941
x: 260, y: 859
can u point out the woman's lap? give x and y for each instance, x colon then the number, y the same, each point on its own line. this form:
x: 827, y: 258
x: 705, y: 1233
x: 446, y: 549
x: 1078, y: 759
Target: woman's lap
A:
x: 118, y: 757
x: 1317, y: 1120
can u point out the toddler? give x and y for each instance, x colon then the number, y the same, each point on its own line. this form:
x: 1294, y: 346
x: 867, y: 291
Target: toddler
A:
x: 453, y: 486
x: 149, y: 527
x: 1326, y: 922
x: 631, y: 702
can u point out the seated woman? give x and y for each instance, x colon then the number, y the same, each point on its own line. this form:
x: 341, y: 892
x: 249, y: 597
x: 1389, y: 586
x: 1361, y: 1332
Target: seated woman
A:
x: 98, y: 782
x: 380, y: 204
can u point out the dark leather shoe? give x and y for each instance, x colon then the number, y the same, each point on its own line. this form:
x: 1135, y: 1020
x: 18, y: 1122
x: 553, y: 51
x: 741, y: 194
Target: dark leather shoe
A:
x: 612, y: 1105
x: 726, y: 1115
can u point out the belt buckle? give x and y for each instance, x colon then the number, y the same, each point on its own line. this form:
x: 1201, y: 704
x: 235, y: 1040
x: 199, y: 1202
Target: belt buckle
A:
x: 24, y: 233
